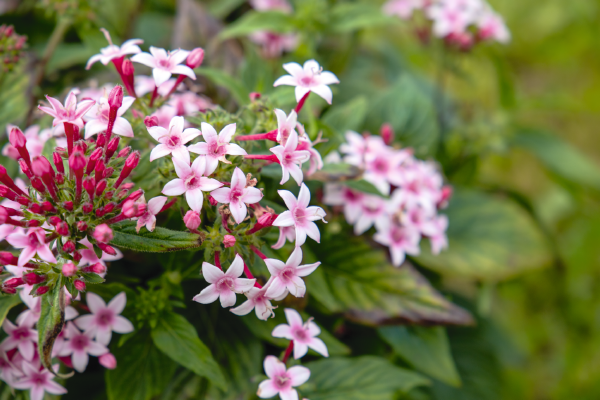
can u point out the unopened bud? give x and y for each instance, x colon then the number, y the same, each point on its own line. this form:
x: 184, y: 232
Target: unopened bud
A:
x: 192, y: 220
x: 68, y: 205
x: 41, y: 167
x: 77, y: 161
x: 32, y: 278
x: 108, y: 172
x: 97, y: 268
x: 69, y: 247
x: 79, y: 285
x: 115, y: 97
x: 14, y: 282
x: 89, y: 184
x: 47, y: 206
x: 213, y: 202
x: 54, y: 220
x: 113, y: 145
x: 7, y: 258
x: 150, y: 121
x: 8, y: 290
x: 87, y: 208
x: 58, y: 162
x: 77, y: 256
x: 42, y: 290
x: 18, y: 140
x: 107, y: 249
x: 36, y: 209
x: 101, y: 141
x: 103, y: 233
x: 228, y: 241
x: 108, y: 361
x: 38, y: 184
x: 69, y: 269
x: 60, y: 178
x: 125, y: 152
x: 195, y: 58
x: 62, y: 228
x: 81, y: 226
x: 25, y: 168
x: 94, y: 157
x: 387, y: 133
x: 255, y: 96
x: 100, y: 187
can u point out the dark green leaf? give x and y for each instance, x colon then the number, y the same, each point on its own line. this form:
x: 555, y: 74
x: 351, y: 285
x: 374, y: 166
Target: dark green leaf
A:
x: 143, y: 371
x: 364, y: 186
x: 426, y: 349
x: 160, y: 241
x: 273, y: 21
x: 91, y: 277
x: 346, y: 17
x: 51, y: 322
x: 490, y: 238
x: 177, y: 338
x: 220, y: 78
x: 6, y: 303
x: 362, y: 378
x: 356, y: 279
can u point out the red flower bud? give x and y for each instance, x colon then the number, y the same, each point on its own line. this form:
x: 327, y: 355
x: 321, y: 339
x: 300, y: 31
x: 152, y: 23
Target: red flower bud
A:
x: 7, y: 180
x: 36, y: 209
x: 41, y: 167
x: 77, y: 161
x: 192, y: 220
x: 87, y: 208
x: 255, y: 96
x: 94, y: 157
x: 42, y: 290
x: 97, y: 268
x: 108, y: 195
x: 18, y: 140
x: 108, y: 172
x: 6, y: 192
x: 101, y: 141
x: 124, y: 152
x: 38, y: 184
x: 79, y: 285
x: 32, y: 278
x: 34, y: 223
x: 48, y: 207
x: 69, y: 247
x: 58, y: 162
x: 103, y: 233
x: 24, y: 201
x: 14, y: 282
x: 195, y: 58
x: 113, y: 145
x: 131, y: 162
x: 77, y: 256
x: 7, y: 258
x: 89, y: 184
x: 150, y: 121
x: 100, y: 187
x: 107, y: 249
x: 25, y: 168
x: 387, y: 133
x: 68, y: 205
x: 60, y: 178
x: 8, y: 290
x: 54, y: 220
x: 82, y: 226
x: 228, y: 241
x: 115, y: 97
x: 62, y: 228
x: 213, y: 202
x: 69, y: 269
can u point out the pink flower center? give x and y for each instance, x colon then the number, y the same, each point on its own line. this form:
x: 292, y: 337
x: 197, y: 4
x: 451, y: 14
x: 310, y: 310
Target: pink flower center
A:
x: 33, y: 240
x: 80, y: 342
x: 398, y: 235
x: 287, y: 274
x: 380, y: 165
x: 282, y: 382
x: 164, y: 63
x: 236, y: 195
x: 301, y: 334
x: 105, y: 318
x: 38, y: 379
x: 307, y: 81
x: 225, y: 284
x: 299, y: 215
x: 174, y: 141
x: 352, y: 196
x: 192, y: 182
x: 217, y: 149
x: 21, y: 333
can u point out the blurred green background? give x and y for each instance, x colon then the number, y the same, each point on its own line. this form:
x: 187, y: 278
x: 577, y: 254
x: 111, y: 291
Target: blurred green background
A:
x: 538, y: 335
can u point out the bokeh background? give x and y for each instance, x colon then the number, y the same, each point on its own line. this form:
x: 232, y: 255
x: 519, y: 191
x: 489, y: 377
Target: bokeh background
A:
x: 524, y: 118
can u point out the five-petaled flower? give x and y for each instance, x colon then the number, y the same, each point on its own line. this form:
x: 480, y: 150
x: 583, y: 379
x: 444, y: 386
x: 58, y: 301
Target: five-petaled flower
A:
x: 80, y: 345
x: 281, y: 381
x: 291, y: 159
x: 310, y: 78
x: 32, y: 242
x: 21, y: 336
x: 258, y: 301
x: 149, y: 217
x: 97, y: 118
x: 112, y: 51
x: 238, y: 195
x: 287, y: 276
x: 173, y: 140
x: 38, y: 381
x: 71, y: 112
x: 303, y: 334
x: 286, y: 124
x: 165, y: 64
x: 216, y: 146
x: 104, y: 318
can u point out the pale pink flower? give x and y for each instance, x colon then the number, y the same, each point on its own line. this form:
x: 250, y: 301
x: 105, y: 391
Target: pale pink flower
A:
x: 104, y: 318
x: 402, y: 8
x: 89, y: 257
x: 300, y: 215
x: 38, y: 381
x: 8, y: 371
x: 35, y: 141
x: 373, y: 211
x: 257, y: 301
x: 216, y: 147
x: 192, y: 182
x: 303, y: 334
x: 417, y: 217
x: 173, y: 140
x: 145, y: 84
x: 274, y: 44
x: 34, y: 307
x: 267, y: 5
x: 419, y: 183
x: 21, y: 336
x: 291, y: 159
x: 401, y: 240
x: 111, y: 52
x: 492, y: 26
x: 358, y: 148
x: 224, y: 285
x: 287, y: 276
x: 149, y: 217
x: 340, y: 195
x: 304, y: 143
x: 436, y: 231
x: 452, y: 16
x: 286, y: 124
x: 93, y: 91
x: 238, y: 195
x: 97, y: 118
x: 381, y: 167
x: 32, y: 242
x: 165, y: 64
x: 281, y: 381
x: 285, y: 233
x: 189, y: 103
x: 72, y: 112
x: 165, y: 114
x: 80, y: 345
x: 310, y: 78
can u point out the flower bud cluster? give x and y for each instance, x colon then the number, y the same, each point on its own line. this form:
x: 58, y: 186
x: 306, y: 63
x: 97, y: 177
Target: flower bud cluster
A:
x: 11, y: 45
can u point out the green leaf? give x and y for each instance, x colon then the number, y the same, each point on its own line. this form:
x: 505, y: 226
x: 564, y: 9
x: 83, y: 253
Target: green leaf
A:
x: 560, y: 158
x: 143, y: 370
x: 364, y: 186
x: 426, y: 349
x: 178, y: 339
x: 335, y: 172
x: 272, y: 21
x: 160, y: 241
x: 91, y: 277
x: 347, y: 116
x: 13, y: 97
x: 6, y: 303
x: 220, y: 78
x: 51, y: 322
x: 490, y: 238
x: 346, y: 17
x: 358, y: 280
x: 362, y: 378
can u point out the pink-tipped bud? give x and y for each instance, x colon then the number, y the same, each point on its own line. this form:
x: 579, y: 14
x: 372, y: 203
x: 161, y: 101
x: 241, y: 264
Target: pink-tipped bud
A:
x: 195, y: 58
x: 115, y: 97
x: 125, y: 152
x: 255, y: 96
x: 77, y: 256
x: 108, y: 172
x: 89, y: 184
x: 6, y: 192
x: 113, y: 145
x: 79, y: 285
x: 42, y: 290
x: 109, y: 195
x: 103, y: 233
x: 18, y: 140
x: 8, y: 290
x: 69, y: 247
x: 58, y: 162
x: 109, y: 207
x: 69, y: 269
x: 101, y: 141
x: 127, y: 68
x: 11, y: 212
x: 7, y: 180
x: 100, y: 187
x: 41, y: 167
x: 228, y: 241
x: 36, y: 209
x: 213, y: 202
x: 82, y: 226
x: 38, y: 184
x: 54, y: 220
x: 264, y: 221
x: 94, y: 157
x: 192, y: 220
x: 7, y: 258
x: 24, y: 201
x: 97, y: 268
x: 387, y: 133
x: 150, y: 121
x: 131, y: 209
x: 14, y: 282
x: 68, y: 205
x: 107, y: 249
x: 62, y: 228
x: 48, y: 207
x: 108, y: 361
x: 445, y: 196
x: 60, y: 178
x: 34, y: 223
x: 87, y: 208
x: 33, y: 279
x: 77, y: 161
x: 25, y: 168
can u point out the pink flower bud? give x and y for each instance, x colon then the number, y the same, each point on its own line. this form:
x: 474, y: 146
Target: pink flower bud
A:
x: 81, y: 226
x: 37, y: 184
x: 87, y: 208
x: 213, y: 202
x: 76, y: 161
x: 107, y: 249
x: 69, y: 269
x: 101, y: 141
x: 18, y: 140
x: 62, y: 228
x: 7, y: 180
x: 255, y: 96
x: 113, y: 145
x: 89, y: 184
x: 94, y: 157
x: 53, y: 220
x: 6, y: 192
x: 228, y: 241
x: 14, y: 282
x: 60, y: 178
x: 97, y: 268
x: 115, y: 97
x: 32, y: 278
x: 103, y: 233
x: 109, y: 207
x: 150, y: 121
x: 192, y: 220
x: 108, y: 361
x: 9, y: 290
x: 108, y: 172
x: 42, y: 290
x: 131, y: 162
x: 125, y: 152
x: 25, y: 168
x: 79, y: 285
x: 58, y: 162
x: 445, y: 196
x: 34, y: 223
x: 69, y: 247
x: 24, y: 201
x: 127, y: 68
x: 48, y: 207
x: 7, y: 258
x: 77, y: 256
x: 387, y: 133
x: 68, y: 205
x: 36, y: 209
x: 100, y: 187
x: 195, y: 58
x: 41, y: 167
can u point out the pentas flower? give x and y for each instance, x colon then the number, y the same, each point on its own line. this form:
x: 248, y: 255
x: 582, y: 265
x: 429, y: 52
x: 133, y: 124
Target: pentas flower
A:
x: 286, y: 124
x: 310, y: 78
x: 80, y: 345
x: 173, y: 140
x: 351, y: 200
x: 435, y: 231
x: 304, y: 143
x: 33, y: 242
x: 21, y: 336
x: 300, y: 216
x: 104, y: 318
x: 400, y: 239
x: 257, y: 301
x: 216, y: 147
x: 146, y: 84
x: 492, y: 26
x: 89, y: 256
x: 72, y: 112
x: 303, y: 334
x: 373, y: 211
x: 291, y: 159
x: 451, y: 17
x: 382, y: 167
x: 287, y: 276
x: 35, y: 141
x: 402, y: 8
x: 274, y: 44
x: 97, y: 118
x: 281, y: 381
x: 112, y: 52
x: 237, y: 195
x: 149, y: 217
x: 285, y: 233
x: 38, y: 381
x: 192, y: 182
x: 189, y: 103
x: 8, y: 371
x: 165, y: 64
x: 224, y: 285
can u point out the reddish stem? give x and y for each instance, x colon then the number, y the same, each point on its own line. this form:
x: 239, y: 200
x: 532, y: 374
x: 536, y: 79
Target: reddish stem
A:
x: 70, y: 133
x: 218, y: 260
x: 271, y: 135
x: 257, y: 252
x: 154, y: 96
x: 224, y: 222
x: 168, y: 205
x: 301, y: 103
x: 288, y: 352
x: 268, y: 157
x: 180, y: 79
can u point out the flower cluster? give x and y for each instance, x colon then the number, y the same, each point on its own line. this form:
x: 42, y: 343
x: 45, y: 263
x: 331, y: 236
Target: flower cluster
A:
x: 11, y: 45
x: 415, y: 190
x: 459, y: 22
x: 273, y: 44
x: 83, y: 336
